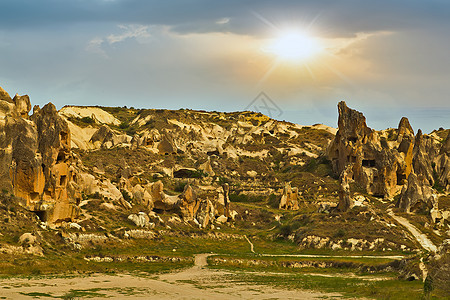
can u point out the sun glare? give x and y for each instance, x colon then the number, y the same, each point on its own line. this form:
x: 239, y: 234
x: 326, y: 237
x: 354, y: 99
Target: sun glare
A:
x: 294, y: 46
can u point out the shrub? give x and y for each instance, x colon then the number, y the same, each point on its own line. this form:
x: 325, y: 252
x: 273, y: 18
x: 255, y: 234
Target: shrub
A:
x: 285, y: 230
x: 273, y: 201
x: 339, y: 233
x: 125, y: 195
x: 179, y: 187
x: 245, y: 198
x: 124, y: 125
x: 87, y: 120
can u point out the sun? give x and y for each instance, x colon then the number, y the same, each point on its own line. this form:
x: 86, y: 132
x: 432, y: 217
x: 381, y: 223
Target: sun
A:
x: 294, y: 46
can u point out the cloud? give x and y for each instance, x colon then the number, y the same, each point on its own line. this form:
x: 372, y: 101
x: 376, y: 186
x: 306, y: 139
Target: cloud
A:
x: 223, y: 21
x: 334, y: 18
x: 138, y: 32
x: 95, y: 46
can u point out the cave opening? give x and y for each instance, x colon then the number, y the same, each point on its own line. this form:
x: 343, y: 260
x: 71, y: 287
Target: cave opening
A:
x: 369, y: 163
x: 400, y: 178
x: 42, y: 215
x: 61, y: 156
x: 62, y: 180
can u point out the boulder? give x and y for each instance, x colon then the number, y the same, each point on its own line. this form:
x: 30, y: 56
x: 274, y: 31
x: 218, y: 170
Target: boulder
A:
x: 27, y: 239
x: 206, y: 167
x: 221, y: 219
x: 141, y: 219
x: 160, y: 199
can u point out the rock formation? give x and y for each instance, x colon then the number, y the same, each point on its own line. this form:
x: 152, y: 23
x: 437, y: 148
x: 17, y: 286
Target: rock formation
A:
x: 345, y: 200
x: 189, y: 204
x: 417, y: 195
x: 382, y: 162
x: 105, y: 137
x: 36, y: 159
x: 289, y: 199
x: 442, y: 165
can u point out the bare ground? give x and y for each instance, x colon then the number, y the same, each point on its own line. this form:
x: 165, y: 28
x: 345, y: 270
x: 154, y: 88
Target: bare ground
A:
x: 197, y: 282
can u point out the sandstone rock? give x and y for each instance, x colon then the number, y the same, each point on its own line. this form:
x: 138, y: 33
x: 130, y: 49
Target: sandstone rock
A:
x: 189, y: 204
x: 289, y: 199
x: 160, y: 199
x: 166, y: 146
x: 226, y: 200
x: 421, y: 158
x: 233, y: 215
x: 105, y: 137
x: 108, y: 206
x: 54, y: 147
x: 252, y: 174
x: 27, y: 239
x: 141, y: 219
x: 4, y: 96
x: 380, y: 165
x: 416, y: 195
x: 36, y: 160
x: 221, y: 219
x: 76, y: 226
x: 205, y: 213
x: 140, y: 234
x: 206, y: 167
x: 345, y: 200
x: 99, y: 115
x: 175, y: 220
x: 442, y: 164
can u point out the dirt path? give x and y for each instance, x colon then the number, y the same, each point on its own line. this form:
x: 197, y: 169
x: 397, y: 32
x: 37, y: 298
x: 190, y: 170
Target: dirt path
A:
x: 197, y: 282
x: 251, y: 244
x: 423, y: 240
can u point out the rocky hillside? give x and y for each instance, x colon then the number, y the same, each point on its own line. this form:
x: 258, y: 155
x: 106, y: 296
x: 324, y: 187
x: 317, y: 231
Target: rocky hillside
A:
x: 102, y: 176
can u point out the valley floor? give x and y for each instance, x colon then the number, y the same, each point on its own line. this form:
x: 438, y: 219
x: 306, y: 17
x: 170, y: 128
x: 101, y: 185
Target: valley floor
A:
x: 197, y: 282
x: 200, y: 282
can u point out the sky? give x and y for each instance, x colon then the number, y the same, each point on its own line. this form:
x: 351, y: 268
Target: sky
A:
x: 387, y: 59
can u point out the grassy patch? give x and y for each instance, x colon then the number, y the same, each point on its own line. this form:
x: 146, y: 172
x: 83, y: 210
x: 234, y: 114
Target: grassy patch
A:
x: 350, y: 287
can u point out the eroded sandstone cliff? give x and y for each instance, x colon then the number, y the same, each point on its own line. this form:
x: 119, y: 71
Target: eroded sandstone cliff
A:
x: 390, y: 162
x: 36, y: 159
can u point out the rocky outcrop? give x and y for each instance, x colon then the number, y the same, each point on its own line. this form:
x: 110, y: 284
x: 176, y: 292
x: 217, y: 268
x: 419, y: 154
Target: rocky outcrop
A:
x: 162, y: 201
x: 382, y: 162
x: 36, y: 159
x: 373, y: 166
x: 289, y: 199
x: 345, y: 200
x: 105, y: 137
x: 207, y: 168
x: 442, y: 165
x: 417, y: 194
x: 189, y: 204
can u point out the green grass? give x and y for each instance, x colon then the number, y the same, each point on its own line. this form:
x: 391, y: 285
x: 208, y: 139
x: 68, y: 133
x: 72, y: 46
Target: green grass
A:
x: 390, y: 288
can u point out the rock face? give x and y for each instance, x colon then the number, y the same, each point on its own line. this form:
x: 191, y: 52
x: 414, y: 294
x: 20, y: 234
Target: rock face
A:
x: 36, y: 159
x: 345, y: 200
x: 417, y: 195
x: 442, y: 163
x: 189, y: 204
x: 382, y: 162
x: 357, y: 145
